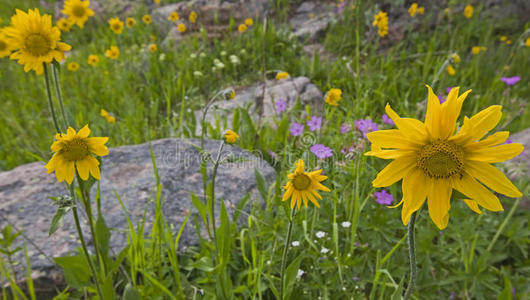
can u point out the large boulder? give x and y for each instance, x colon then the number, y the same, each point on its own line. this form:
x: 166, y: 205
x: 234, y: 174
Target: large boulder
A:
x: 312, y: 18
x: 128, y: 171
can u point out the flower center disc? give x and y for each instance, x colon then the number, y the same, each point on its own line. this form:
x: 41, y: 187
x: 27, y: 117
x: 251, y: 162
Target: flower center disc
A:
x: 78, y: 11
x: 37, y: 45
x: 441, y: 159
x: 3, y: 45
x: 301, y: 182
x: 75, y: 150
x: 116, y: 26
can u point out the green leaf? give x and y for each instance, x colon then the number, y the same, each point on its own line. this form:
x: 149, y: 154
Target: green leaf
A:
x: 223, y: 236
x: 107, y: 288
x: 103, y: 236
x: 75, y: 270
x: 291, y: 273
x: 201, y: 208
x: 57, y: 220
x: 262, y: 184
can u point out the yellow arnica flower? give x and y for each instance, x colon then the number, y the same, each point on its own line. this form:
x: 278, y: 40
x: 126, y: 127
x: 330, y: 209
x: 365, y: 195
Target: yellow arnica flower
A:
x: 381, y: 21
x: 113, y: 52
x: 468, y: 11
x: 475, y: 50
x: 413, y: 9
x: 192, y: 17
x: 173, y: 17
x: 64, y: 25
x: 242, y: 28
x: 508, y: 42
x: 232, y: 95
x: 421, y: 10
x: 116, y: 25
x: 93, y: 60
x: 129, y: 22
x: 35, y: 40
x: 455, y: 58
x: 303, y: 186
x: 157, y: 2
x: 231, y: 136
x: 78, y: 11
x: 147, y: 19
x: 433, y: 159
x: 527, y: 42
x: 249, y: 22
x: 282, y: 75
x: 105, y: 114
x: 333, y: 97
x: 75, y: 151
x: 73, y: 66
x: 153, y: 48
x: 181, y: 28
x: 451, y: 70
x: 5, y: 45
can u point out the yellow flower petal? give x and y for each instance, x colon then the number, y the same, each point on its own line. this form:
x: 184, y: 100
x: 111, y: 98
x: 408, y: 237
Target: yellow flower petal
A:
x: 495, y: 154
x: 472, y: 204
x: 450, y: 112
x: 411, y: 128
x: 69, y: 171
x: 415, y: 187
x: 476, y: 191
x: 94, y: 167
x: 84, y: 132
x: 432, y: 119
x: 394, y: 171
x: 492, y: 140
x: 492, y: 178
x: 439, y: 195
x: 485, y: 121
x: 391, y: 138
x: 83, y: 168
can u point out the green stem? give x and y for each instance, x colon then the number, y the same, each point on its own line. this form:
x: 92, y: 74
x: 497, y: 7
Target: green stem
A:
x: 284, y: 256
x: 83, y: 244
x: 501, y: 228
x: 212, y: 194
x: 50, y: 100
x: 412, y: 256
x: 59, y: 95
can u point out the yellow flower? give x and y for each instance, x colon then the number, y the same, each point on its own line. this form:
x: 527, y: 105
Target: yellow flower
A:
x: 64, y: 24
x: 78, y: 11
x: 447, y: 11
x: 475, y: 50
x: 527, y: 42
x: 232, y: 95
x: 116, y: 25
x: 468, y: 11
x: 282, y: 75
x: 303, y: 186
x: 157, y: 2
x: 421, y: 10
x: 456, y: 58
x: 433, y: 158
x: 242, y: 28
x: 380, y: 17
x: 5, y: 45
x: 35, y: 40
x: 450, y: 70
x: 503, y: 38
x: 181, y: 28
x: 153, y: 48
x: 105, y: 114
x: 113, y: 52
x: 508, y: 42
x: 381, y: 21
x: 75, y: 151
x: 147, y: 19
x: 506, y: 68
x: 413, y: 9
x: 93, y: 60
x: 231, y: 137
x: 73, y: 66
x: 482, y: 48
x: 192, y: 17
x: 173, y: 17
x: 333, y: 97
x: 129, y: 22
x: 249, y: 22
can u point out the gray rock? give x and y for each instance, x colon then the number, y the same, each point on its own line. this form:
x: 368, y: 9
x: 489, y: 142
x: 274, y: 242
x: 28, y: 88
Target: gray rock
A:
x: 289, y: 90
x: 128, y: 171
x: 312, y: 18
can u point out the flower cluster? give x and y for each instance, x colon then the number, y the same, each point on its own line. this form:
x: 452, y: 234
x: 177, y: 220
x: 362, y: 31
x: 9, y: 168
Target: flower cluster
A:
x: 381, y: 22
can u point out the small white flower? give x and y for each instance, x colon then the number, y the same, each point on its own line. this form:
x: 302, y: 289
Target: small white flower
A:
x: 243, y: 51
x: 295, y: 243
x: 197, y: 74
x: 268, y: 262
x: 324, y: 250
x: 234, y: 59
x: 202, y: 54
x: 193, y: 55
x: 300, y: 273
x: 320, y: 234
x: 223, y: 53
x: 345, y: 224
x: 220, y: 65
x: 162, y: 57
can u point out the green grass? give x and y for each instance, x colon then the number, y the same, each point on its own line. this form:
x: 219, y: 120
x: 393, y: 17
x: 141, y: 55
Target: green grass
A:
x: 153, y: 96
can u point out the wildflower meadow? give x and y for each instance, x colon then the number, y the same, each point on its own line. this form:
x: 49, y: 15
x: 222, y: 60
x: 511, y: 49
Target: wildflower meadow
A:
x: 264, y: 149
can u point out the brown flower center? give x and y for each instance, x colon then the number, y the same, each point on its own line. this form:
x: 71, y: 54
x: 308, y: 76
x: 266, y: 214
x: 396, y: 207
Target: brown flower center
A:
x: 78, y: 11
x: 301, y: 182
x: 441, y: 159
x: 37, y: 44
x: 3, y: 45
x: 116, y: 26
x: 75, y: 150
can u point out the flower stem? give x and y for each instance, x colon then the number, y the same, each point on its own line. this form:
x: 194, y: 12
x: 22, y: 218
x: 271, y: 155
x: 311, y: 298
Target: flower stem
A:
x: 412, y: 257
x: 284, y: 256
x: 212, y: 193
x: 83, y: 244
x: 50, y: 100
x: 59, y: 95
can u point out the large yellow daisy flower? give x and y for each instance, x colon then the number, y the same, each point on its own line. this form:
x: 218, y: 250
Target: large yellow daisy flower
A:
x: 304, y: 186
x: 433, y: 159
x: 74, y: 151
x: 78, y: 11
x: 116, y: 25
x: 5, y: 45
x: 35, y: 40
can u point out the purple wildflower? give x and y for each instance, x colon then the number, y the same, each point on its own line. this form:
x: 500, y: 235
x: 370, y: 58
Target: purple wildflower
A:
x: 387, y: 120
x: 280, y: 106
x: 315, y: 123
x: 383, y: 197
x: 448, y: 89
x: 346, y: 150
x: 321, y: 151
x: 344, y: 128
x: 441, y: 99
x: 452, y: 295
x: 511, y: 80
x: 340, y: 7
x: 365, y: 126
x: 297, y: 129
x: 513, y: 291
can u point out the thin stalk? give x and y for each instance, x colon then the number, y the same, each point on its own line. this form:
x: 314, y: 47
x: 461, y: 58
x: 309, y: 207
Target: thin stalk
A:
x: 212, y: 193
x: 83, y: 244
x: 284, y: 256
x: 412, y: 258
x: 59, y: 95
x: 501, y: 228
x: 204, y: 112
x: 50, y: 100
